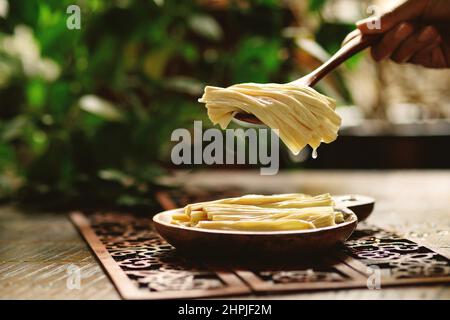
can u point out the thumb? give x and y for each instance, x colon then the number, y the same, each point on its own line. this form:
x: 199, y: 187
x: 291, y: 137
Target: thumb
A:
x: 407, y: 11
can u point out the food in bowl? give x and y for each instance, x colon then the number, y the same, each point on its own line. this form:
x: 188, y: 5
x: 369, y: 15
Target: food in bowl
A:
x: 280, y: 212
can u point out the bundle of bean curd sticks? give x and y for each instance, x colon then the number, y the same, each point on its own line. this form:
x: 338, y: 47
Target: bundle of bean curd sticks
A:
x: 280, y: 212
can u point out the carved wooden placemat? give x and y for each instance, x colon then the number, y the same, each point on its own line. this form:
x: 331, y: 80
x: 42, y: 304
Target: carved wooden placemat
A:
x: 372, y: 258
x: 301, y: 274
x: 142, y: 265
x: 397, y: 260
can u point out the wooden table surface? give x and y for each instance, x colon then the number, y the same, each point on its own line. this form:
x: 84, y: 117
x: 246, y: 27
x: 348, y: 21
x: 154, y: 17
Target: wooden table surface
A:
x: 38, y: 251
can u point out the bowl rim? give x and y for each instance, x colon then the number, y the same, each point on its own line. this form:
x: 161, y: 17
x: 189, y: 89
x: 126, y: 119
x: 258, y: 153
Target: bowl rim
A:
x: 352, y: 219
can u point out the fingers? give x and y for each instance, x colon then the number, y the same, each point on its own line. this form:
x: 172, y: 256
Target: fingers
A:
x: 415, y: 43
x: 430, y: 57
x: 409, y: 10
x: 437, y: 58
x: 391, y: 41
x: 446, y: 51
x: 423, y: 57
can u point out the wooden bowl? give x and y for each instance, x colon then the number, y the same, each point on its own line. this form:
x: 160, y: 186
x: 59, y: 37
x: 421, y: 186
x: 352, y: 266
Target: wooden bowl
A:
x: 362, y: 206
x: 206, y: 241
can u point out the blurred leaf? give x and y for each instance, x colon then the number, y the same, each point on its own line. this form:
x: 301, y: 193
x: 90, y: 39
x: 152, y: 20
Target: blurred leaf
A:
x: 206, y: 26
x: 330, y: 35
x: 155, y: 62
x: 38, y: 141
x: 353, y: 62
x: 90, y: 123
x: 256, y: 60
x: 128, y: 200
x: 100, y: 107
x: 14, y: 128
x: 6, y: 155
x: 313, y: 49
x: 185, y: 85
x: 24, y: 12
x: 269, y: 3
x: 59, y: 99
x: 36, y: 93
x: 116, y: 175
x: 190, y: 53
x: 316, y: 5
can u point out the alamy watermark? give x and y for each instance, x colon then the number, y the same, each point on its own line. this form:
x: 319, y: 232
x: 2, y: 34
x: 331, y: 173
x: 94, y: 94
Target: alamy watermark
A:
x: 374, y: 277
x: 375, y: 22
x: 73, y: 21
x: 73, y: 281
x: 222, y: 147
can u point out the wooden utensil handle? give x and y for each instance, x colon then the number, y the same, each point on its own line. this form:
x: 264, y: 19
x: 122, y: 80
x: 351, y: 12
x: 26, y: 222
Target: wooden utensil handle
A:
x: 355, y: 45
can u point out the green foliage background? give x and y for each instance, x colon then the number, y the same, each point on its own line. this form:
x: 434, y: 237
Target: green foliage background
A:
x: 143, y: 64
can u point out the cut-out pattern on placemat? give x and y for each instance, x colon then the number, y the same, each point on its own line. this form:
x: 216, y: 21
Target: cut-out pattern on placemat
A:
x: 395, y: 259
x: 144, y: 266
x: 316, y: 274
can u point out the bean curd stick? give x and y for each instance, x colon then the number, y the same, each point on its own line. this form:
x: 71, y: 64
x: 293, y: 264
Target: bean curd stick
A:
x: 301, y: 203
x: 259, y: 199
x: 257, y: 225
x: 181, y: 223
x: 217, y: 210
x: 302, y: 115
x: 198, y: 216
x: 257, y: 212
x: 247, y: 200
x: 306, y: 216
x: 181, y: 217
x: 225, y: 217
x: 338, y: 217
x: 322, y: 220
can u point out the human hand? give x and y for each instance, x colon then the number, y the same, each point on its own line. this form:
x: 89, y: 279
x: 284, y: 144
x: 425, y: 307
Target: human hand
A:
x: 417, y: 31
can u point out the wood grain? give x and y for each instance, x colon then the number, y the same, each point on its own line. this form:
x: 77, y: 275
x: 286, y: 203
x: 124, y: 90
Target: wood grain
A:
x: 37, y: 252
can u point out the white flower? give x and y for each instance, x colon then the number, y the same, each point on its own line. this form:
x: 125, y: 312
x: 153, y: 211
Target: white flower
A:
x: 23, y: 46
